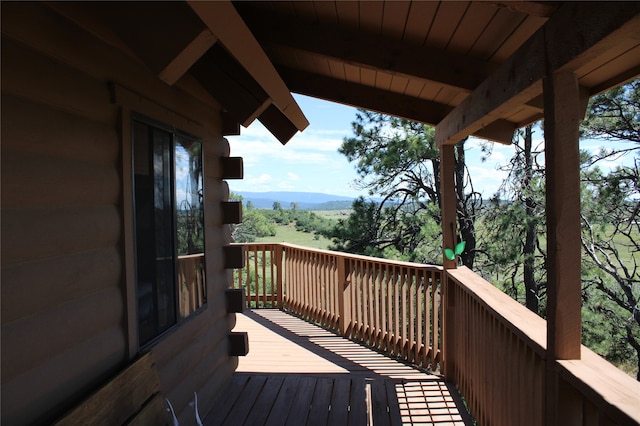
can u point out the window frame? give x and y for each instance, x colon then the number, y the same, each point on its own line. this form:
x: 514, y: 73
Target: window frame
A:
x: 134, y: 323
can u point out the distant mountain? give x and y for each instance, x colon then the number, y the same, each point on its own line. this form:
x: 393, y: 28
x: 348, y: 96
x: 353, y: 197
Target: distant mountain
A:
x: 304, y: 200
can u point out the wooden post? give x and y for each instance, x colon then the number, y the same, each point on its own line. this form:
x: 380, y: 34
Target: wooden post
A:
x: 448, y: 208
x: 344, y: 299
x: 278, y: 260
x: 564, y: 108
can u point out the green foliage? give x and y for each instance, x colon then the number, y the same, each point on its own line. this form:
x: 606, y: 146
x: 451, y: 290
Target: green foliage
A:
x: 611, y: 229
x: 398, y: 160
x: 615, y: 115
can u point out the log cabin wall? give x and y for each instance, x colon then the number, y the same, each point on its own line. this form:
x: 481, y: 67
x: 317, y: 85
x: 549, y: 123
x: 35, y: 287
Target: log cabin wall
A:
x: 68, y: 319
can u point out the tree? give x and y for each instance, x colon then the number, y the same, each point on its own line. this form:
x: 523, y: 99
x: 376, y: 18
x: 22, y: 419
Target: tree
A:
x: 611, y: 224
x: 611, y: 241
x: 398, y: 160
x: 514, y: 226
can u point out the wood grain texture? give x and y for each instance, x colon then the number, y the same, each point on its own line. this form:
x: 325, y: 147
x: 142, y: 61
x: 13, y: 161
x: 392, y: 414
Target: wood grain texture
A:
x: 303, y: 375
x: 123, y: 397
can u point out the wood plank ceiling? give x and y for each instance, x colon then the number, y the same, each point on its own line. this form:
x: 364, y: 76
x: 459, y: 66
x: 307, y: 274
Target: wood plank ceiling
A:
x: 468, y: 67
x: 422, y: 59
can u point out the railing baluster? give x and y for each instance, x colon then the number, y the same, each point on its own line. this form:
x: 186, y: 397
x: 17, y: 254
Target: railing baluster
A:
x: 392, y: 306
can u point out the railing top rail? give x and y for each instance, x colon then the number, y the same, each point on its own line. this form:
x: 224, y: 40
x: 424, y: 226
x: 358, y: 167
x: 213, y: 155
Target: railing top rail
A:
x: 613, y: 389
x: 520, y: 320
x: 350, y: 256
x: 191, y: 256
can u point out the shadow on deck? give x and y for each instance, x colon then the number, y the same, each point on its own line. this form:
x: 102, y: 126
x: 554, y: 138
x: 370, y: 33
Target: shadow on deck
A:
x: 299, y: 374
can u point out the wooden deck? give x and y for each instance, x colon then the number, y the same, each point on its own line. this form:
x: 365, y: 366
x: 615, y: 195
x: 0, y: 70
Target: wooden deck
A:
x: 300, y: 374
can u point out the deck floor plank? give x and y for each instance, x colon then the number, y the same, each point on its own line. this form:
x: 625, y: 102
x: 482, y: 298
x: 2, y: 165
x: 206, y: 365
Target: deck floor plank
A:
x: 282, y: 404
x: 265, y: 401
x: 299, y: 374
x: 301, y: 403
x: 339, y: 411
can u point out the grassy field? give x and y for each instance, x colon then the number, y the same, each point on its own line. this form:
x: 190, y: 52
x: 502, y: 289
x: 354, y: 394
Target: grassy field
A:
x: 289, y: 234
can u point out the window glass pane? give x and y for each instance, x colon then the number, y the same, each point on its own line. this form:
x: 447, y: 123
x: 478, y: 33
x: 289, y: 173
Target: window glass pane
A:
x: 163, y: 224
x: 189, y: 224
x: 155, y: 268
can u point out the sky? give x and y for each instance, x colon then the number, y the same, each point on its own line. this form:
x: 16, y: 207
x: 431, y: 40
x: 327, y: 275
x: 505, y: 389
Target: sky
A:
x: 310, y: 161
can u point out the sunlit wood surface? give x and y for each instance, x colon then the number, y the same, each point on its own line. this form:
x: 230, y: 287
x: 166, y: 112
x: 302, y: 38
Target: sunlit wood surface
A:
x: 297, y: 374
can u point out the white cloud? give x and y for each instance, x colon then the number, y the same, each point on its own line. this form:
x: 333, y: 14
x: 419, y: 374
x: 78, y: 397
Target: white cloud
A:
x: 293, y: 176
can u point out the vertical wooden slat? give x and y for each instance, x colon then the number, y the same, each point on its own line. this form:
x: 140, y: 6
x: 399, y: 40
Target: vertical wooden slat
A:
x: 378, y: 308
x: 343, y: 302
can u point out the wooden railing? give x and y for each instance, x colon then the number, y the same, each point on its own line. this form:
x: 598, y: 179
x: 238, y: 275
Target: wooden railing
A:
x: 191, y: 279
x: 493, y: 348
x: 495, y: 351
x: 389, y: 305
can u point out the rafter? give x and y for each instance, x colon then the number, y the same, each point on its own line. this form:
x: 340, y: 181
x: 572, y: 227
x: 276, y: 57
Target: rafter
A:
x: 223, y: 21
x: 352, y: 47
x: 187, y: 57
x: 576, y: 33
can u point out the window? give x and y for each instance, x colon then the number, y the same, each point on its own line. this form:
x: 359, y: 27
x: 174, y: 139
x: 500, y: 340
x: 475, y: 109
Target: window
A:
x: 169, y: 227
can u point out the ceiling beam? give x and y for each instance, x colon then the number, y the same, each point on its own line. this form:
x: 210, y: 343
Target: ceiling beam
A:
x: 366, y: 97
x: 227, y: 26
x: 352, y: 47
x: 390, y: 103
x: 575, y: 34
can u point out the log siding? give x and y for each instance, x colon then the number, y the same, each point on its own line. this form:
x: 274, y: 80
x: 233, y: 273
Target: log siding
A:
x: 65, y: 285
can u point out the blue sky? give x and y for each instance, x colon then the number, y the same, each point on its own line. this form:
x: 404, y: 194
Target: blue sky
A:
x: 310, y: 161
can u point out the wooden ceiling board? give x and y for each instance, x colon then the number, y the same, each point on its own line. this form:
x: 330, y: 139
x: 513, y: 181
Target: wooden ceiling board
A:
x: 399, y: 84
x: 414, y: 88
x: 474, y: 22
x: 305, y: 10
x: 337, y: 69
x: 527, y: 28
x: 371, y: 17
x: 430, y: 90
x: 419, y: 21
x: 497, y: 32
x: 446, y: 95
x: 591, y: 74
x: 446, y: 23
x: 286, y: 7
x: 394, y: 19
x: 326, y: 12
x: 348, y: 14
x: 368, y: 77
x: 383, y: 80
x: 352, y: 73
x: 336, y: 43
x: 322, y: 65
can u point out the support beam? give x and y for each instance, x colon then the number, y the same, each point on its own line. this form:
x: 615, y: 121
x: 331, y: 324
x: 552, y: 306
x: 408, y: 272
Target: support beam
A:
x: 577, y: 32
x: 187, y: 57
x: 225, y: 23
x: 564, y: 109
x: 563, y: 113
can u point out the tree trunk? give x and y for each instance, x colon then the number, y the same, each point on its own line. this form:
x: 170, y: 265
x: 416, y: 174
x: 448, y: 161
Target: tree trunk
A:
x: 465, y: 219
x: 530, y: 284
